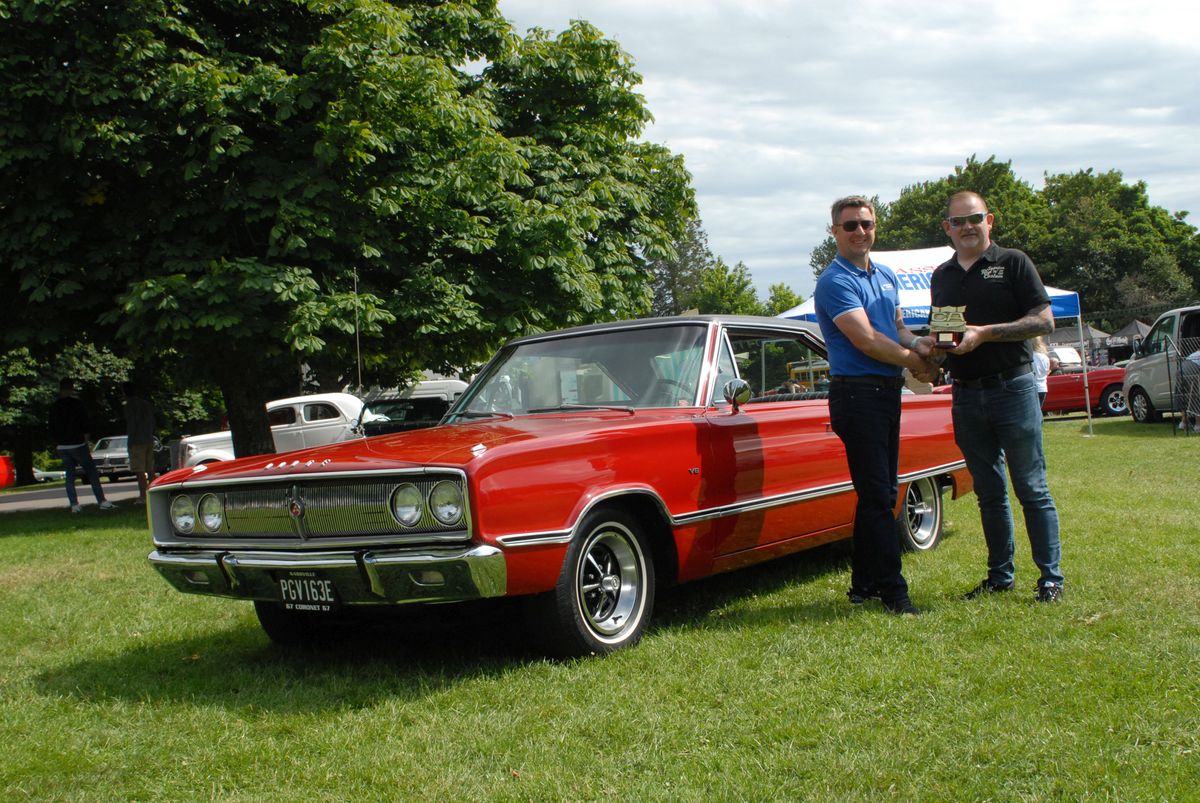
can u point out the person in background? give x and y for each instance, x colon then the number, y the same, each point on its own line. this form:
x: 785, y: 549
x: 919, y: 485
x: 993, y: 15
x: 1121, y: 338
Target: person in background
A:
x: 139, y: 430
x: 1041, y: 368
x: 69, y: 430
x: 858, y: 310
x: 997, y: 418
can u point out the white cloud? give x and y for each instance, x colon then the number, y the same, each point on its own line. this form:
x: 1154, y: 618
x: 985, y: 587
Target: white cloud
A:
x: 780, y: 106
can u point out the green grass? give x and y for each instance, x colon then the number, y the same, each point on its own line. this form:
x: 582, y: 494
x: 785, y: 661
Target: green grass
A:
x: 762, y: 684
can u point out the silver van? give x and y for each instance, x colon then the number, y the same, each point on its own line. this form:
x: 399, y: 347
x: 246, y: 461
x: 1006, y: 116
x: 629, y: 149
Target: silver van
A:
x: 1160, y: 377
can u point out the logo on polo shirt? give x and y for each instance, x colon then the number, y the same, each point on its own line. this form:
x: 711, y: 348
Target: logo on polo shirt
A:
x: 886, y: 285
x: 993, y: 272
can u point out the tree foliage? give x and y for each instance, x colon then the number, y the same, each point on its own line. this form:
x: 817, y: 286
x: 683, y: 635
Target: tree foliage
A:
x: 252, y: 185
x: 1086, y: 231
x: 676, y: 280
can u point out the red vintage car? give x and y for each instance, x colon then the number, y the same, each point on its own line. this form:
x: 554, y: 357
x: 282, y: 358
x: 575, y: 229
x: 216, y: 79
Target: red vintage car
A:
x: 1064, y: 392
x: 582, y: 470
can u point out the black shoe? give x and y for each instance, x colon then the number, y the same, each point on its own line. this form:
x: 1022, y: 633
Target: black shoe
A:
x: 860, y: 595
x: 902, y: 606
x: 986, y: 587
x: 1049, y: 592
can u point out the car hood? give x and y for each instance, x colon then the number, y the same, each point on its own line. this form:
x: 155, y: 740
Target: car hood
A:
x: 448, y: 445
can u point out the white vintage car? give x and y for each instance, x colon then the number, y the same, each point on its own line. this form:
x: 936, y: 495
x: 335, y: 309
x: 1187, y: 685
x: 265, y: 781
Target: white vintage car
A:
x: 298, y: 422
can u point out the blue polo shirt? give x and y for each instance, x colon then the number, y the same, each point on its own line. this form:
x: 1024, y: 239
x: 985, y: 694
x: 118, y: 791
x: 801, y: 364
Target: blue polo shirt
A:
x: 844, y: 287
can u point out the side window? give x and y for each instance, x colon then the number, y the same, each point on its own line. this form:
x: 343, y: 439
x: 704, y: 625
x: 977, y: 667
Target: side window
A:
x: 282, y: 416
x: 320, y: 412
x: 1157, y: 339
x: 726, y: 370
x: 778, y: 365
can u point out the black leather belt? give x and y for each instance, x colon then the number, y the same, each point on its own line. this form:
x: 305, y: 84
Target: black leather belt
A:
x: 893, y: 382
x: 995, y: 380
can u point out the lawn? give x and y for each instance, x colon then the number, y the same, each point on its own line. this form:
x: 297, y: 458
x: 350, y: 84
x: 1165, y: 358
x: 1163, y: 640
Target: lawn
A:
x: 762, y: 684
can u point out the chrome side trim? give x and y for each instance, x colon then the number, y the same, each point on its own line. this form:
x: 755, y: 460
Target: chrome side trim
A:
x: 550, y: 537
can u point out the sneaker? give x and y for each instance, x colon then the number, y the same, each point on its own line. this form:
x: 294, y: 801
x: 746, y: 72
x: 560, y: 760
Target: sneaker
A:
x: 106, y: 505
x: 901, y: 607
x: 1049, y: 592
x: 860, y: 595
x: 76, y: 508
x: 986, y: 587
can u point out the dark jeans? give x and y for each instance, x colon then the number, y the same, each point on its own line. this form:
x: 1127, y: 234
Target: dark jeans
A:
x: 867, y: 419
x: 80, y: 456
x: 999, y: 431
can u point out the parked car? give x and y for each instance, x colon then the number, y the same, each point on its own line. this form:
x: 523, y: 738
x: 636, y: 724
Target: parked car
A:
x: 296, y: 423
x: 421, y: 405
x: 1153, y: 376
x: 42, y: 475
x: 1065, y: 392
x: 582, y: 471
x: 111, y: 456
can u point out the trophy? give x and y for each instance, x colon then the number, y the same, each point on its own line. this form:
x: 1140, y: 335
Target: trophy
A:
x: 947, y: 325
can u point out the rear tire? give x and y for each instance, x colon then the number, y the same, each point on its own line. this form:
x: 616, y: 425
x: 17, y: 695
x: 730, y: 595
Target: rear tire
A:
x: 1112, y: 401
x: 605, y: 592
x: 920, y: 524
x: 1141, y: 408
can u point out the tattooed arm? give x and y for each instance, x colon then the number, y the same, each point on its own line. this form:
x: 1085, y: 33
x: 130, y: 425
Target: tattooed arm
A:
x: 1038, y: 321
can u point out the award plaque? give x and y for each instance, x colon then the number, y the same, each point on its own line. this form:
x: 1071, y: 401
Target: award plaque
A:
x: 947, y: 325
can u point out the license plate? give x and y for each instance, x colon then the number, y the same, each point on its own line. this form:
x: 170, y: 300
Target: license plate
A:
x: 306, y: 591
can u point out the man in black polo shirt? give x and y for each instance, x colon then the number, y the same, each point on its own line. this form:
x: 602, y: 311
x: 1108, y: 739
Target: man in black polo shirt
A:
x: 997, y: 418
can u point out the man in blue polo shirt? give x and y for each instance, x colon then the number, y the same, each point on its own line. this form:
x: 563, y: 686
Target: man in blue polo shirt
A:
x: 858, y: 310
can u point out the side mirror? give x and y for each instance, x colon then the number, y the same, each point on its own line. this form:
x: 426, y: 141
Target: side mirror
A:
x: 737, y: 392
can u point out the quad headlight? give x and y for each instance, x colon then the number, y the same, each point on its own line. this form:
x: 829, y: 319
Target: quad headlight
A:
x: 183, y: 514
x: 446, y: 502
x: 408, y: 504
x: 211, y: 512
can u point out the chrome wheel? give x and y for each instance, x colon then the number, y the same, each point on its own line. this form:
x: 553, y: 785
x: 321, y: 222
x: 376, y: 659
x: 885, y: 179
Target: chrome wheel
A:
x: 609, y: 581
x: 605, y: 591
x: 920, y: 522
x: 1112, y: 402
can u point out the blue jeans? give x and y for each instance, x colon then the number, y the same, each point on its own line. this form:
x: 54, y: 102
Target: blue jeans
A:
x: 867, y: 420
x: 80, y: 456
x: 994, y: 426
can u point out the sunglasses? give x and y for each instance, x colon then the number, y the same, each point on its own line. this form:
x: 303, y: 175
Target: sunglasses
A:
x: 852, y: 225
x: 975, y: 218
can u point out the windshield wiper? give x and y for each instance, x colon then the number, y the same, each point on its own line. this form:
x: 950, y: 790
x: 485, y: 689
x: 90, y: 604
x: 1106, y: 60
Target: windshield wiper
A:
x: 485, y: 414
x: 570, y: 406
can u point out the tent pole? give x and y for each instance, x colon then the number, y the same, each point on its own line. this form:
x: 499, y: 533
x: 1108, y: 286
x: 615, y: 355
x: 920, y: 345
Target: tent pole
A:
x: 1087, y: 396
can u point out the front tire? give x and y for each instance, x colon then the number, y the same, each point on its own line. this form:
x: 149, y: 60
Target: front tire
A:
x: 920, y: 523
x: 1141, y: 408
x: 605, y: 592
x: 1112, y: 401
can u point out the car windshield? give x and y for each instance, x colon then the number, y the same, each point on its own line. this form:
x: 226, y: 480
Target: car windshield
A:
x: 108, y: 444
x: 631, y: 368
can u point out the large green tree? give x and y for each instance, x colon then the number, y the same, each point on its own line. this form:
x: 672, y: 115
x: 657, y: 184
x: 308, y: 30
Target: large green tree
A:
x: 250, y: 186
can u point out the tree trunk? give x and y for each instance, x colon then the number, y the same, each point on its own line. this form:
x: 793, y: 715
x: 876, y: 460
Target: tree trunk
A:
x: 247, y: 384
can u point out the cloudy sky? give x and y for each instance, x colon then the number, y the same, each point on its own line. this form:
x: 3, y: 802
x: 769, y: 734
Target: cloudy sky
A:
x: 781, y: 106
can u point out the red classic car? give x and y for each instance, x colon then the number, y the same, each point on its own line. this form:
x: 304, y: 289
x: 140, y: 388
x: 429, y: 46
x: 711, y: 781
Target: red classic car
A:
x: 582, y: 470
x: 1064, y: 392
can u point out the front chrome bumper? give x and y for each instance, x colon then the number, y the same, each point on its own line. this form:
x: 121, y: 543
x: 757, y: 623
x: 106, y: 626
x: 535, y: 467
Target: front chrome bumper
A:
x: 361, y: 577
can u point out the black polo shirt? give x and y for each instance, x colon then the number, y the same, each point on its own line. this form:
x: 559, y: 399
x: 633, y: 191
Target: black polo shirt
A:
x: 1003, y: 285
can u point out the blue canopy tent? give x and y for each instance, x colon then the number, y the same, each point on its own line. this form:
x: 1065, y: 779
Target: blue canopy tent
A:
x: 914, y: 270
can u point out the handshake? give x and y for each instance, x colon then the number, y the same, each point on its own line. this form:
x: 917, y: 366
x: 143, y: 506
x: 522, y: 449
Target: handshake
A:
x: 928, y: 359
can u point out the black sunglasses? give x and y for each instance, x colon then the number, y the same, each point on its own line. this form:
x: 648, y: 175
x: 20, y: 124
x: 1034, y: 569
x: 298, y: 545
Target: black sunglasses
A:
x: 852, y: 225
x: 975, y: 218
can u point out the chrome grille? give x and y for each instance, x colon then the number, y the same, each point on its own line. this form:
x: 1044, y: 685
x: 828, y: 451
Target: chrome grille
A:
x: 332, y: 508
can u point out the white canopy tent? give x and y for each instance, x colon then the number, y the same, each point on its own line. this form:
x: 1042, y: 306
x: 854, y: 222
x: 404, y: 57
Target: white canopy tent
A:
x: 914, y: 271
